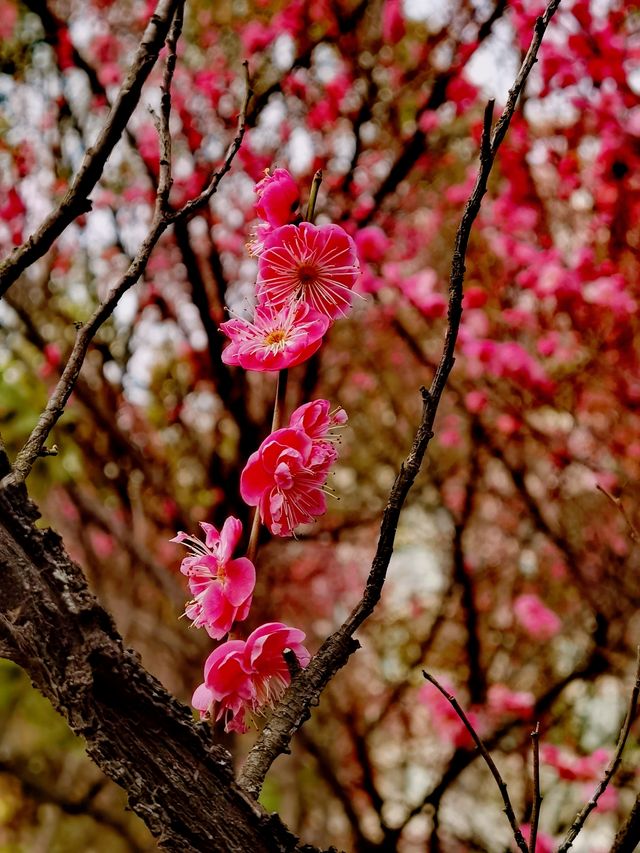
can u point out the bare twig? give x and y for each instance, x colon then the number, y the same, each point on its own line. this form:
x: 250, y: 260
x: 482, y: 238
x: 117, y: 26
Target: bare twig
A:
x: 617, y: 502
x: 578, y: 823
x: 305, y: 690
x: 165, y: 179
x: 537, y: 797
x: 502, y: 785
x: 313, y: 195
x: 162, y: 219
x: 76, y: 200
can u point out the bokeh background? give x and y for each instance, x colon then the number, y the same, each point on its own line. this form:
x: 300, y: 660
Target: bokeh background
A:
x: 514, y: 578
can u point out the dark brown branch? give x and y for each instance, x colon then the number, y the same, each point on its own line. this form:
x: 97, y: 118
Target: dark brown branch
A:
x: 476, y: 679
x: 76, y: 200
x: 305, y: 690
x: 502, y: 785
x: 628, y: 836
x: 537, y: 796
x: 177, y: 780
x: 578, y: 823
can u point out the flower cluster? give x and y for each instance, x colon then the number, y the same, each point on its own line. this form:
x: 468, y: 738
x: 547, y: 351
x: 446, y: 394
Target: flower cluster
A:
x: 239, y: 676
x: 242, y: 676
x: 286, y: 476
x: 306, y: 275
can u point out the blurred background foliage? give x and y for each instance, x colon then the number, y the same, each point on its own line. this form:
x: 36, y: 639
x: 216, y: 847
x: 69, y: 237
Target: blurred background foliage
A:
x: 514, y: 577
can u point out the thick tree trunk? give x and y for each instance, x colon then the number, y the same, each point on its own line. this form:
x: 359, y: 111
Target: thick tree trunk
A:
x: 177, y: 780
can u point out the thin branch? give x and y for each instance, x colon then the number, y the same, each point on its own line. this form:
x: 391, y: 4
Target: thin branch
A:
x: 165, y: 179
x: 305, y: 690
x: 628, y: 836
x: 617, y: 502
x: 578, y: 823
x: 508, y: 808
x: 313, y: 195
x: 76, y: 200
x: 162, y: 219
x: 463, y: 578
x: 537, y: 797
x: 191, y: 207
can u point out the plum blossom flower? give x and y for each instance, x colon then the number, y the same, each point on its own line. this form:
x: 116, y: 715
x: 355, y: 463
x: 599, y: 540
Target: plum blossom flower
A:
x: 318, y: 422
x: 536, y: 618
x: 544, y: 842
x: 278, y: 198
x: 278, y: 337
x: 242, y: 677
x: 308, y: 263
x: 502, y: 700
x: 372, y: 243
x: 222, y: 588
x: 285, y: 478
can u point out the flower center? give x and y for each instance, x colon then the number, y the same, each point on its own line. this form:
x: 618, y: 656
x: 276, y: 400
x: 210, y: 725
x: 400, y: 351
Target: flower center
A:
x: 275, y: 337
x: 307, y: 274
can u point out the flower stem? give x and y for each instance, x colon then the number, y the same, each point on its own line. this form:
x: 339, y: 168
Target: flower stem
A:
x: 278, y: 411
x: 313, y: 195
x: 281, y: 393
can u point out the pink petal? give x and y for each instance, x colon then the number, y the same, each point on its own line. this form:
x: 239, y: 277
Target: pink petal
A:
x: 231, y: 533
x: 212, y: 537
x: 202, y: 699
x: 241, y: 580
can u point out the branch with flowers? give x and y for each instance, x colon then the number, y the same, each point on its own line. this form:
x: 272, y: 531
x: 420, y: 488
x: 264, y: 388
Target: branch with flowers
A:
x: 306, y: 275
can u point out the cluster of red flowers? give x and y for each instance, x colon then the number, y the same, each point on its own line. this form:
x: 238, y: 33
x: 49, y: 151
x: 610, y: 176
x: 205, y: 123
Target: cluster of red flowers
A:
x: 306, y: 275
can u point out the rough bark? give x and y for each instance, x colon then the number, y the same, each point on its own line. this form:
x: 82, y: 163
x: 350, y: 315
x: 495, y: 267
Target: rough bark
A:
x: 177, y: 779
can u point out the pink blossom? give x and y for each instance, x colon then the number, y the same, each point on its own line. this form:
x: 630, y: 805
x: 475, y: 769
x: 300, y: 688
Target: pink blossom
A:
x: 318, y: 422
x: 476, y: 402
x: 264, y: 653
x: 226, y: 684
x: 277, y: 338
x: 544, y: 842
x: 256, y: 36
x: 571, y: 767
x: 308, y: 263
x: 536, y: 618
x: 278, y: 198
x: 421, y: 290
x: 502, y: 700
x: 285, y: 478
x: 242, y: 677
x: 372, y: 243
x: 222, y: 587
x: 393, y: 28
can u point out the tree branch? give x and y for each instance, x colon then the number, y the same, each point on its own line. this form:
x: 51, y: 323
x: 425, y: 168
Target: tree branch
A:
x: 508, y: 808
x: 578, y: 823
x: 537, y: 796
x: 177, y: 780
